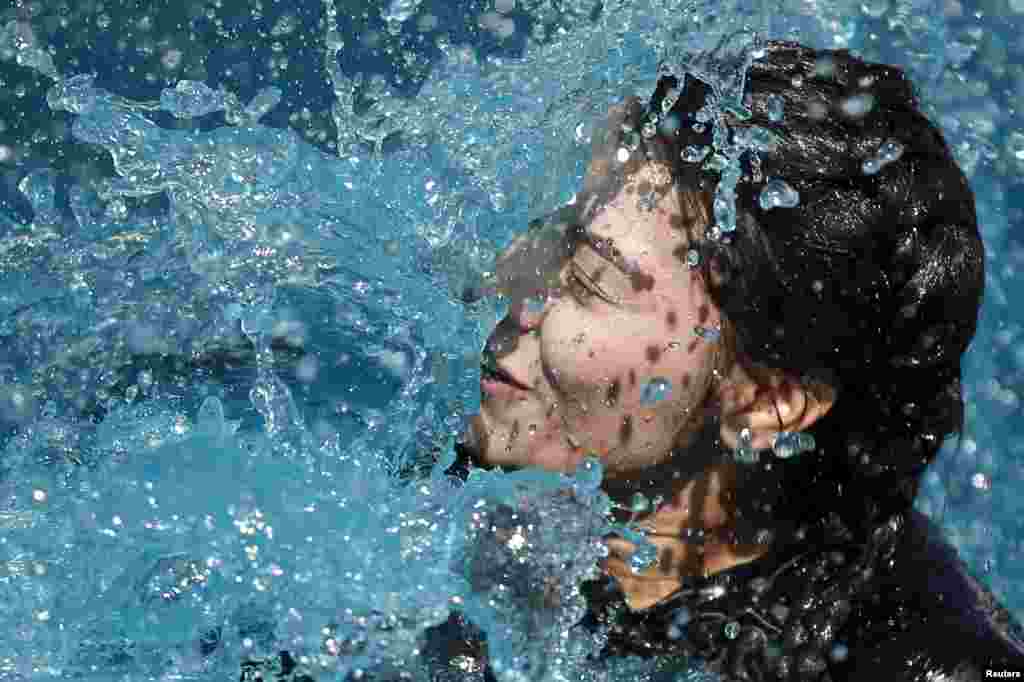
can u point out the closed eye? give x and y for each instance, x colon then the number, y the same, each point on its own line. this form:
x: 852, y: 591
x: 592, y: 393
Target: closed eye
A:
x: 582, y: 286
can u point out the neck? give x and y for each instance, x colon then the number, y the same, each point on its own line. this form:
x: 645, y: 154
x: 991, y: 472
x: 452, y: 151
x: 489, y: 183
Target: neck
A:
x: 694, y: 533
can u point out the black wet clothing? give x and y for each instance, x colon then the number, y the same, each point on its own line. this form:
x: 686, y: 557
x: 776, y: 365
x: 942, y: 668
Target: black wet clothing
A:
x: 902, y: 608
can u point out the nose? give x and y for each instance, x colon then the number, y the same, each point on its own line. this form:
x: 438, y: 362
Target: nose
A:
x: 524, y: 315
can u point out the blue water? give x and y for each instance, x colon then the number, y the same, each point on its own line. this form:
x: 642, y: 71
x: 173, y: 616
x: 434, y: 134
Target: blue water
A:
x: 234, y: 356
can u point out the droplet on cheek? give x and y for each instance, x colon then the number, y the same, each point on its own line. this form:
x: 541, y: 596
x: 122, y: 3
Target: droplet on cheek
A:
x: 655, y: 391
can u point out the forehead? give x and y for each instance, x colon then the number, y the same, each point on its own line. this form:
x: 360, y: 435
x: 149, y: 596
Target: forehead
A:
x: 645, y: 221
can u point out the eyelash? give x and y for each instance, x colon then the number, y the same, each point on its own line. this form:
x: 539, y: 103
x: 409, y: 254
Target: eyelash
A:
x: 577, y: 283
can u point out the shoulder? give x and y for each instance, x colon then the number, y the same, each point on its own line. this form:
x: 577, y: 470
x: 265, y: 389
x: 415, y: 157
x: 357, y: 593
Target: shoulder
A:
x: 928, y: 618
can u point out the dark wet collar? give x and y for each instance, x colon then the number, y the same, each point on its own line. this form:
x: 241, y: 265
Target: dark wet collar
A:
x: 763, y: 619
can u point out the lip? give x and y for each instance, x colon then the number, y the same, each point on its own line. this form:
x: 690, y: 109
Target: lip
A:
x: 500, y: 389
x: 511, y: 378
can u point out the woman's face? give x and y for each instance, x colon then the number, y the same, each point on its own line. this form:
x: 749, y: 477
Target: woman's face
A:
x: 620, y: 379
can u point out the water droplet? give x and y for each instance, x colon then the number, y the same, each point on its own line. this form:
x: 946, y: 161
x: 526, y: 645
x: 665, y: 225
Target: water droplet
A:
x: 745, y: 452
x: 732, y: 630
x: 622, y: 155
x: 588, y: 474
x: 776, y: 193
x: 580, y: 134
x: 874, y: 8
x: 640, y: 503
x: 1015, y: 145
x: 839, y: 652
x: 694, y: 154
x: 265, y: 100
x: 669, y: 125
x: 889, y: 151
x: 211, y: 417
x: 117, y: 210
x: 649, y: 130
x: 670, y: 99
x: 647, y: 202
x: 655, y: 390
x: 775, y: 107
x: 707, y: 333
x: 692, y: 258
x: 645, y: 555
x: 858, y: 106
x: 307, y: 369
x: 788, y: 444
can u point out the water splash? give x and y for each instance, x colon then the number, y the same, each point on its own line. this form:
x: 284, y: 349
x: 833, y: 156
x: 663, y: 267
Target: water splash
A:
x: 254, y: 213
x: 655, y: 391
x: 190, y: 99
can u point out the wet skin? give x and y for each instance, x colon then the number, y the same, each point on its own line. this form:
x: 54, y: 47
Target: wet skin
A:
x: 587, y: 359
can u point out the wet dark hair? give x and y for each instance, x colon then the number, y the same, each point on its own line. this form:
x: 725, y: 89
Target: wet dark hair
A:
x: 872, y: 283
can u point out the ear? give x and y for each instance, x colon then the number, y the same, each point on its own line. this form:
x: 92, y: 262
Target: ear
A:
x: 760, y: 400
